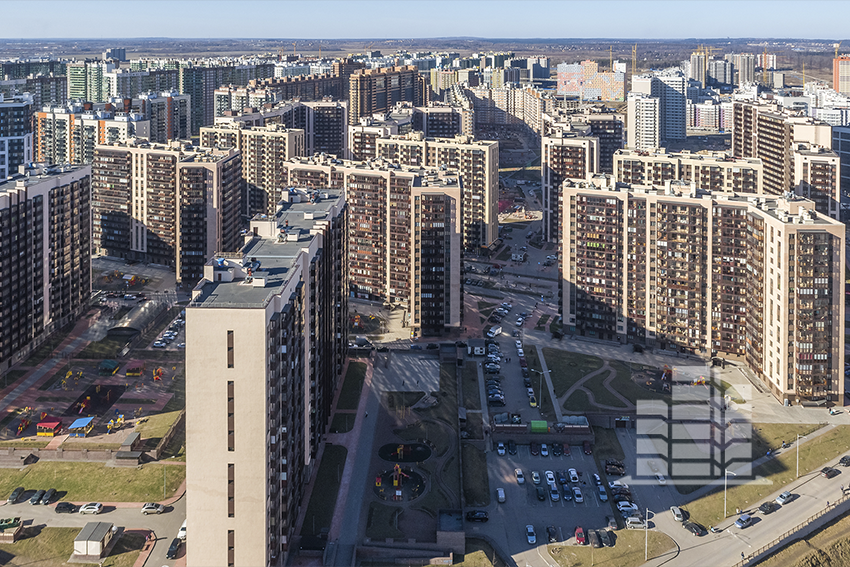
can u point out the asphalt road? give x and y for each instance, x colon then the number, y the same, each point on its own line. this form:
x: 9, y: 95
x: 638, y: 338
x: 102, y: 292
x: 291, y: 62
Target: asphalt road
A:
x: 165, y: 525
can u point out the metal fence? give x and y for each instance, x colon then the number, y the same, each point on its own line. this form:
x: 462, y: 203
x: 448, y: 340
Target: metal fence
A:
x: 752, y: 557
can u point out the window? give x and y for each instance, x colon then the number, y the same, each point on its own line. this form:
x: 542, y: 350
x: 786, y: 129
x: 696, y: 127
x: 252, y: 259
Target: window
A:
x: 230, y: 349
x: 231, y: 537
x: 230, y: 490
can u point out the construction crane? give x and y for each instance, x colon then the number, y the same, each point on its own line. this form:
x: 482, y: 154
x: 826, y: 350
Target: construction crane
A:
x: 764, y: 67
x: 634, y: 59
x: 611, y: 57
x: 836, y: 46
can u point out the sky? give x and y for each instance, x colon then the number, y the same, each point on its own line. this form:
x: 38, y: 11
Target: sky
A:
x: 380, y: 19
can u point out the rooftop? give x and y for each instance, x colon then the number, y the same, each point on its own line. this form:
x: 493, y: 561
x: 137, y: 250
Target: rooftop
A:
x: 265, y: 264
x: 36, y: 173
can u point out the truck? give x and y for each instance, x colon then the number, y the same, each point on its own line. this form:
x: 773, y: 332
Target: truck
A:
x: 494, y: 331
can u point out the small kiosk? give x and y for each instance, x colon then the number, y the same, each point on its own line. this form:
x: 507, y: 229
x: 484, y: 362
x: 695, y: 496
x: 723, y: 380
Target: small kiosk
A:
x: 108, y: 368
x: 82, y: 427
x: 49, y: 427
x: 135, y: 368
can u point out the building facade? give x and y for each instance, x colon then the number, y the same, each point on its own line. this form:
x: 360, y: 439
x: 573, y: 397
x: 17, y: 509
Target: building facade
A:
x: 564, y: 155
x: 45, y: 255
x: 587, y: 82
x: 373, y: 91
x: 670, y: 88
x: 16, y: 137
x: 841, y: 75
x: 166, y: 205
x: 758, y: 278
x: 708, y: 172
x: 643, y: 117
x: 266, y: 340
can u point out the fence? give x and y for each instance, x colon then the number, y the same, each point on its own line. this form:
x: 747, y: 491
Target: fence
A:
x: 787, y: 536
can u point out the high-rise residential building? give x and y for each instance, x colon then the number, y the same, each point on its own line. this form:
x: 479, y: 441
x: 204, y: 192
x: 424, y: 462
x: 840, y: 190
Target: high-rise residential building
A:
x: 586, y: 81
x: 263, y: 149
x: 235, y: 99
x: 698, y: 70
x: 719, y: 73
x: 86, y: 82
x: 45, y: 254
x: 373, y: 91
x: 607, y: 127
x: 817, y: 176
x: 512, y: 106
x: 266, y: 340
x: 362, y: 138
x: 23, y: 68
x: 70, y: 134
x: 669, y: 87
x: 16, y: 137
x: 477, y: 163
x: 756, y: 278
x: 704, y: 171
x: 117, y: 53
x: 170, y: 114
x: 763, y: 131
x: 44, y: 89
x: 324, y: 122
x: 643, y: 116
x: 307, y: 88
x: 440, y: 121
x: 565, y: 153
x: 841, y: 74
x: 130, y: 84
x: 743, y: 67
x: 343, y: 68
x: 387, y: 251
x: 841, y: 146
x: 167, y: 205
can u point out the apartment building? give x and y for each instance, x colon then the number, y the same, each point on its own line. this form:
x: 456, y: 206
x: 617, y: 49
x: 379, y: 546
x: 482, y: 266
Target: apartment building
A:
x: 387, y: 251
x: 373, y: 91
x: 841, y: 146
x: 263, y: 149
x: 643, y: 114
x: 23, y: 68
x: 306, y: 88
x: 670, y: 88
x: 586, y: 81
x: 45, y: 255
x: 440, y: 121
x: 765, y: 132
x: 362, y: 138
x: 706, y: 171
x: 606, y: 127
x: 235, y: 99
x: 127, y: 83
x: 325, y: 122
x: 266, y: 340
x: 69, y: 134
x: 841, y: 74
x: 44, y: 89
x: 757, y: 278
x: 817, y: 176
x: 169, y: 112
x: 511, y: 106
x: 475, y: 161
x: 570, y: 152
x: 166, y: 204
x: 16, y: 137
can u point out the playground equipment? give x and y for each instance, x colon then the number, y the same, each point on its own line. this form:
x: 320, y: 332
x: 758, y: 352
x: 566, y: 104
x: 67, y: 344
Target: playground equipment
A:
x: 157, y: 375
x: 25, y: 422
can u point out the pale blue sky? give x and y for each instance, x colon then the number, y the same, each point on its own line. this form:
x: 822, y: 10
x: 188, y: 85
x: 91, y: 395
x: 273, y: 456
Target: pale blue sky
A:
x: 326, y: 19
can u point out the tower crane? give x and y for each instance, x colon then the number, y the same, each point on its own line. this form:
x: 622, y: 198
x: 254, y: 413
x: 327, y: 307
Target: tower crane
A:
x: 836, y: 46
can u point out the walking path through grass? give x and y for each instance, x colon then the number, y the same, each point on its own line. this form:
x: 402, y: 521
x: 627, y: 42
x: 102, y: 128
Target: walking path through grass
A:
x: 605, y: 390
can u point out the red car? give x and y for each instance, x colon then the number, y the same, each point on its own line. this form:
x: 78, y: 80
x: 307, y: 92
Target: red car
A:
x: 580, y: 536
x: 587, y: 449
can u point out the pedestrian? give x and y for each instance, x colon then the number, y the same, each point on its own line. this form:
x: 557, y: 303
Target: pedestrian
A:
x: 742, y: 555
x: 367, y: 414
x: 827, y: 503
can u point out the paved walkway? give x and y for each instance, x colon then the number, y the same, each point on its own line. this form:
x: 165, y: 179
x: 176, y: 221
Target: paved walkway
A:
x: 555, y: 402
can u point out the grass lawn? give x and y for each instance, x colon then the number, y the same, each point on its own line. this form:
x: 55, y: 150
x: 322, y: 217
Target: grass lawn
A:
x: 126, y: 550
x: 486, y: 308
x: 40, y: 547
x: 479, y: 553
x: 769, y: 436
x: 381, y: 522
x: 554, y: 326
x: 403, y: 399
x: 827, y: 545
x: 349, y: 397
x: 578, y: 401
x: 629, y: 550
x: 541, y: 391
x: 434, y: 432
x: 342, y: 422
x: 320, y: 511
x: 541, y: 323
x: 475, y: 426
x: 104, y: 348
x: 70, y: 445
x: 476, y: 483
x: 471, y: 388
x: 29, y: 442
x: 450, y: 475
x: 601, y: 394
x: 40, y: 354
x: 569, y: 367
x: 780, y: 471
x: 155, y: 428
x: 177, y: 388
x: 607, y: 446
x: 624, y: 384
x: 729, y: 390
x: 95, y: 482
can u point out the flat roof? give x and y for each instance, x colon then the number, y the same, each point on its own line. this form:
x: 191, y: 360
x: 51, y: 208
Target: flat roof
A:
x: 94, y: 531
x: 38, y: 174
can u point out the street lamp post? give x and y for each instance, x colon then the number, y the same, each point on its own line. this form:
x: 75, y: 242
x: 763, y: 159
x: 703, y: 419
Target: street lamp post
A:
x: 540, y: 386
x: 726, y: 474
x: 646, y: 536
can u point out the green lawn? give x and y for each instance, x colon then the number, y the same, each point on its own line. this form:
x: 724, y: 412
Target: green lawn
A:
x: 29, y: 442
x: 541, y: 323
x: 569, y: 367
x: 780, y: 471
x: 342, y: 422
x: 475, y: 426
x: 826, y: 546
x: 628, y: 552
x: 554, y: 326
x: 450, y: 476
x: 40, y: 547
x: 601, y: 394
x: 434, y: 432
x: 471, y: 387
x: 577, y: 402
x: 154, y: 429
x: 624, y: 384
x: 93, y: 482
x: 103, y: 349
x: 476, y: 483
x: 349, y: 397
x: 769, y: 436
x: 606, y: 445
x: 382, y: 522
x: 479, y: 553
x: 485, y: 308
x: 322, y: 502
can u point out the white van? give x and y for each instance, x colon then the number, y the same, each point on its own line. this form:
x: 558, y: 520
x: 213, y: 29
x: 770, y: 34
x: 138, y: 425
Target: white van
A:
x: 182, y: 532
x: 494, y: 331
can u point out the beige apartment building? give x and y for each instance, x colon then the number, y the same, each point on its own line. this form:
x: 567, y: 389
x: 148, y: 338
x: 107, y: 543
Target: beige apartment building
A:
x: 757, y: 278
x: 389, y: 259
x: 475, y: 161
x: 372, y: 91
x: 173, y: 205
x: 263, y: 149
x: 707, y: 171
x: 266, y: 340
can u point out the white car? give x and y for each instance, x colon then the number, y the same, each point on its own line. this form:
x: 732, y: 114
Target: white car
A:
x: 519, y: 322
x: 530, y: 535
x: 783, y: 498
x: 92, y: 508
x: 577, y: 494
x: 520, y: 478
x: 159, y: 344
x: 550, y: 477
x: 500, y: 449
x: 627, y: 507
x: 544, y: 450
x: 660, y: 478
x: 519, y: 345
x: 573, y: 475
x: 500, y: 495
x: 618, y: 484
x: 520, y: 352
x: 152, y: 508
x: 535, y: 477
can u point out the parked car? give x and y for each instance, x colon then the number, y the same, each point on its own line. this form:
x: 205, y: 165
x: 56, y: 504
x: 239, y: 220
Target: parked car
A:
x: 605, y: 537
x: 16, y: 494
x: 48, y: 496
x: 520, y: 352
x: 159, y: 344
x: 587, y: 448
x: 744, y: 521
x: 532, y: 401
x: 660, y: 478
x: 603, y: 496
x: 173, y: 549
x: 577, y: 494
x: 520, y: 478
x: 845, y: 461
x: 573, y: 475
x: 511, y: 447
x: 554, y: 495
x: 784, y: 498
x: 562, y: 477
x: 541, y: 494
x: 535, y: 448
x: 596, y: 480
x: 627, y: 507
x: 181, y: 533
x: 477, y: 516
x: 492, y: 368
x: 535, y: 477
x: 500, y: 495
x: 557, y: 449
x: 580, y: 539
x: 593, y: 538
x: 695, y: 528
x: 677, y: 514
x: 412, y: 347
x: 152, y: 508
x: 768, y: 507
x: 829, y: 472
x: 552, y: 533
x: 530, y: 535
x: 65, y: 508
x: 611, y: 522
x: 635, y: 523
x: 36, y: 498
x: 550, y: 477
x: 91, y: 508
x: 518, y: 345
x: 544, y: 449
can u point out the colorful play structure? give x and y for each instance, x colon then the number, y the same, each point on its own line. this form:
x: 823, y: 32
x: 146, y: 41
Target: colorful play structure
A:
x: 157, y: 375
x: 48, y: 426
x: 108, y: 368
x: 115, y: 424
x: 81, y: 427
x: 135, y: 368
